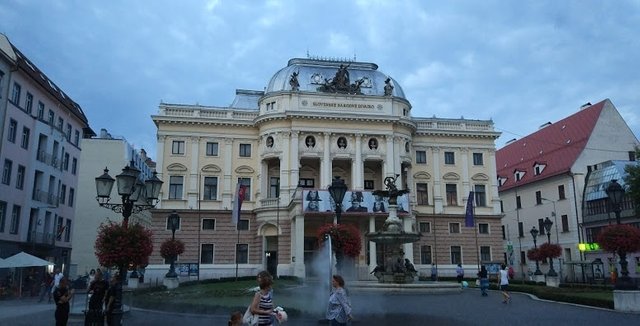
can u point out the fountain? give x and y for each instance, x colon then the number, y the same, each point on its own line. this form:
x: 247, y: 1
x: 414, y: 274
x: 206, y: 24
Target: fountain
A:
x: 395, y: 268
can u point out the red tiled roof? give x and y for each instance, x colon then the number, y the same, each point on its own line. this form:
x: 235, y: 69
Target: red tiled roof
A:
x: 557, y: 146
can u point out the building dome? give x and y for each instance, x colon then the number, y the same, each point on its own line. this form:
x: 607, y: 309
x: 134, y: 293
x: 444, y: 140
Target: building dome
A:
x: 315, y: 75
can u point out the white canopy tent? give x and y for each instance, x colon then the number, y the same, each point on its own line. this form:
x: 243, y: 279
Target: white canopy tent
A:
x: 21, y: 260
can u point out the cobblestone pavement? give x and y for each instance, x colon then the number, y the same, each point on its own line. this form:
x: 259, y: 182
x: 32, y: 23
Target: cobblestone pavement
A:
x: 466, y: 308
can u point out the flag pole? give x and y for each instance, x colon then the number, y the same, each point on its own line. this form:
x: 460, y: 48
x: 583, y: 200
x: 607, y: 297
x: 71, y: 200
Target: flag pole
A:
x: 237, y: 242
x: 475, y: 231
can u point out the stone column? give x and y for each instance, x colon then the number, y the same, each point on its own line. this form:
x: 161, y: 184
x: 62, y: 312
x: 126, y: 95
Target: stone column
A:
x: 285, y: 166
x: 194, y: 173
x: 464, y: 164
x: 358, y: 173
x: 294, y: 166
x: 438, y: 200
x: 373, y: 258
x: 297, y: 246
x: 326, y: 175
x: 159, y: 164
x: 388, y: 166
x: 228, y: 186
x: 493, y: 183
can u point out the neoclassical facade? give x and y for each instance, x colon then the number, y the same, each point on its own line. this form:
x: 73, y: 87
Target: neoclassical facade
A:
x: 316, y: 120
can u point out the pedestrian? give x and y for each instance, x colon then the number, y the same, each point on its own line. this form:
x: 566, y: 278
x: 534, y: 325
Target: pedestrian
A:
x: 339, y: 308
x: 434, y: 273
x: 262, y: 304
x: 45, y: 286
x: 61, y: 296
x: 111, y: 300
x: 504, y: 284
x: 97, y: 291
x: 459, y: 273
x: 484, y: 280
x: 235, y: 319
x: 57, y: 276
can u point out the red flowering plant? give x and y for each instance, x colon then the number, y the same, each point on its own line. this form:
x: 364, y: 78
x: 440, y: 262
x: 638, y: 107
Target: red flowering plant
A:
x: 534, y: 254
x: 345, y: 238
x: 620, y: 238
x: 171, y: 248
x: 550, y: 250
x: 118, y: 245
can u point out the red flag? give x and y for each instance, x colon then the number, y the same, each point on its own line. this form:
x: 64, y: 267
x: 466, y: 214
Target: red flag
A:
x: 240, y: 194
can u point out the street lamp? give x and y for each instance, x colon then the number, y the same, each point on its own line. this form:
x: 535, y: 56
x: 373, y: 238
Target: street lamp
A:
x: 174, y: 223
x: 615, y: 192
x: 547, y: 227
x: 136, y: 197
x: 534, y: 233
x: 555, y: 218
x: 337, y: 190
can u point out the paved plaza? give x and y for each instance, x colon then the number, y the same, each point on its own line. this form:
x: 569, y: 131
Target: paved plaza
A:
x: 466, y: 308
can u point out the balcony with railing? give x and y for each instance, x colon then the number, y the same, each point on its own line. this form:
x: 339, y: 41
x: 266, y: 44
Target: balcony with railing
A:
x: 43, y: 238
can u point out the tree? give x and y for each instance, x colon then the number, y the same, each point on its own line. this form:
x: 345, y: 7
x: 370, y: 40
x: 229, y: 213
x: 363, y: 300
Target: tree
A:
x: 118, y: 245
x: 632, y: 181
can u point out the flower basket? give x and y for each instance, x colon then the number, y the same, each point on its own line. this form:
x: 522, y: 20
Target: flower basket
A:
x: 345, y: 237
x: 550, y: 250
x: 118, y: 245
x: 171, y: 248
x: 534, y: 254
x: 620, y: 238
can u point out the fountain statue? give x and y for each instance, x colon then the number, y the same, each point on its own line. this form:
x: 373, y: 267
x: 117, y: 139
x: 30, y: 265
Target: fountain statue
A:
x: 395, y: 268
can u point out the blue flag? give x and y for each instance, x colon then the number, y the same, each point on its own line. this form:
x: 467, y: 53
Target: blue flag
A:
x: 468, y: 216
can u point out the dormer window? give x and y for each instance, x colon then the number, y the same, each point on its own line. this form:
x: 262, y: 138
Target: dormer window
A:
x: 518, y: 175
x: 538, y: 168
x: 501, y: 181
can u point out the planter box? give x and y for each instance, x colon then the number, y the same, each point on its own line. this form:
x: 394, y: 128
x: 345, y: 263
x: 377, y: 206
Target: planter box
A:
x: 538, y: 278
x: 171, y: 282
x: 553, y: 281
x: 627, y: 301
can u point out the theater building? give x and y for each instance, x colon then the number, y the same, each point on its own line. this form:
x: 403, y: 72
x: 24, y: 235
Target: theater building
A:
x: 316, y: 120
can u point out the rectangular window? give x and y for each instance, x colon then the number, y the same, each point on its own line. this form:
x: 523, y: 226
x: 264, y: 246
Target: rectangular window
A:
x: 13, y: 131
x: 208, y: 224
x: 210, y: 188
x: 421, y: 157
x: 177, y: 147
x: 449, y: 158
x: 520, y: 229
x: 247, y: 191
x: 422, y: 193
x: 52, y: 116
x: 76, y: 137
x: 74, y: 166
x: 485, y: 253
x: 538, y: 198
x: 541, y: 226
x: 425, y: 227
x: 518, y: 203
x: 72, y: 194
x: 212, y: 149
x: 456, y: 255
x: 206, y: 253
x: 67, y: 231
x: 26, y: 133
x: 65, y: 162
x: 15, y: 219
x: 477, y: 159
x: 454, y: 227
x: 168, y: 226
x: 15, y: 95
x: 504, y: 233
x: 242, y: 253
x: 306, y: 183
x: 175, y: 187
x: 20, y: 177
x: 68, y: 133
x: 368, y: 184
x: 483, y: 228
x: 60, y: 123
x: 6, y: 172
x: 561, y: 194
x: 3, y: 215
x: 40, y: 111
x: 452, y: 194
x: 425, y: 255
x: 245, y: 150
x: 243, y: 225
x: 28, y: 104
x: 63, y: 194
x: 274, y: 187
x: 59, y: 228
x: 565, y: 223
x: 480, y: 196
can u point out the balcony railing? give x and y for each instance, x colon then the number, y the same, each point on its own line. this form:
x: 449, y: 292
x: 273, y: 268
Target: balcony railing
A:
x: 45, y: 238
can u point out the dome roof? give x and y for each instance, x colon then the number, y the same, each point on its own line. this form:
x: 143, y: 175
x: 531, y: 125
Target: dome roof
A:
x: 313, y: 74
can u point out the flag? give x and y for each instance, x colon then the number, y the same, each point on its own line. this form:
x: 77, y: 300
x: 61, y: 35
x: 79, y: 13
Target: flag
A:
x: 235, y: 213
x: 468, y: 216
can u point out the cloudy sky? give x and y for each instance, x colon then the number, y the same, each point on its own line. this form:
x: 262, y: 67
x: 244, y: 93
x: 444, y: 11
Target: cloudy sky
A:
x: 520, y: 63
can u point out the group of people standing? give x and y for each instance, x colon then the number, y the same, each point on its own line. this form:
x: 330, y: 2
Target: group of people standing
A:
x: 483, y: 277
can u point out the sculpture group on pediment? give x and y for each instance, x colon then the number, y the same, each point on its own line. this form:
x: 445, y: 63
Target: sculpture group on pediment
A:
x: 340, y: 83
x: 293, y: 81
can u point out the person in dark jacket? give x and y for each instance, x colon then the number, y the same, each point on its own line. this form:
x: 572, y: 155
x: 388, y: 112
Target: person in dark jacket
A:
x: 61, y: 296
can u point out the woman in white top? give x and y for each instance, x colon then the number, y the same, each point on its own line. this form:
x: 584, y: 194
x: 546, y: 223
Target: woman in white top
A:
x: 504, y: 284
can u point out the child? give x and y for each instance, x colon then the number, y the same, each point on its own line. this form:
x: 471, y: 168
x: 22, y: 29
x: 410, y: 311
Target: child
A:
x: 235, y: 319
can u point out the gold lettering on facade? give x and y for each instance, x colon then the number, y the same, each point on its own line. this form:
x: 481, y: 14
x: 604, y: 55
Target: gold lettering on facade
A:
x: 342, y: 105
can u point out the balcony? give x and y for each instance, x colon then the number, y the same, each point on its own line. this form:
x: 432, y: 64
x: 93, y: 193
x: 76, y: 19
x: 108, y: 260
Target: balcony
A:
x: 43, y: 238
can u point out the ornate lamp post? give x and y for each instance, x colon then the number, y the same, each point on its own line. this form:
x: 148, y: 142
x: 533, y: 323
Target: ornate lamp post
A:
x: 174, y: 223
x: 337, y: 190
x: 136, y: 197
x: 615, y: 192
x: 547, y: 227
x: 534, y: 233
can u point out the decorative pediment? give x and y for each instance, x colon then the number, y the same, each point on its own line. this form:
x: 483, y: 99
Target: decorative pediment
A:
x: 480, y: 177
x: 422, y: 175
x: 244, y: 169
x: 451, y: 176
x: 211, y: 168
x: 176, y: 167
